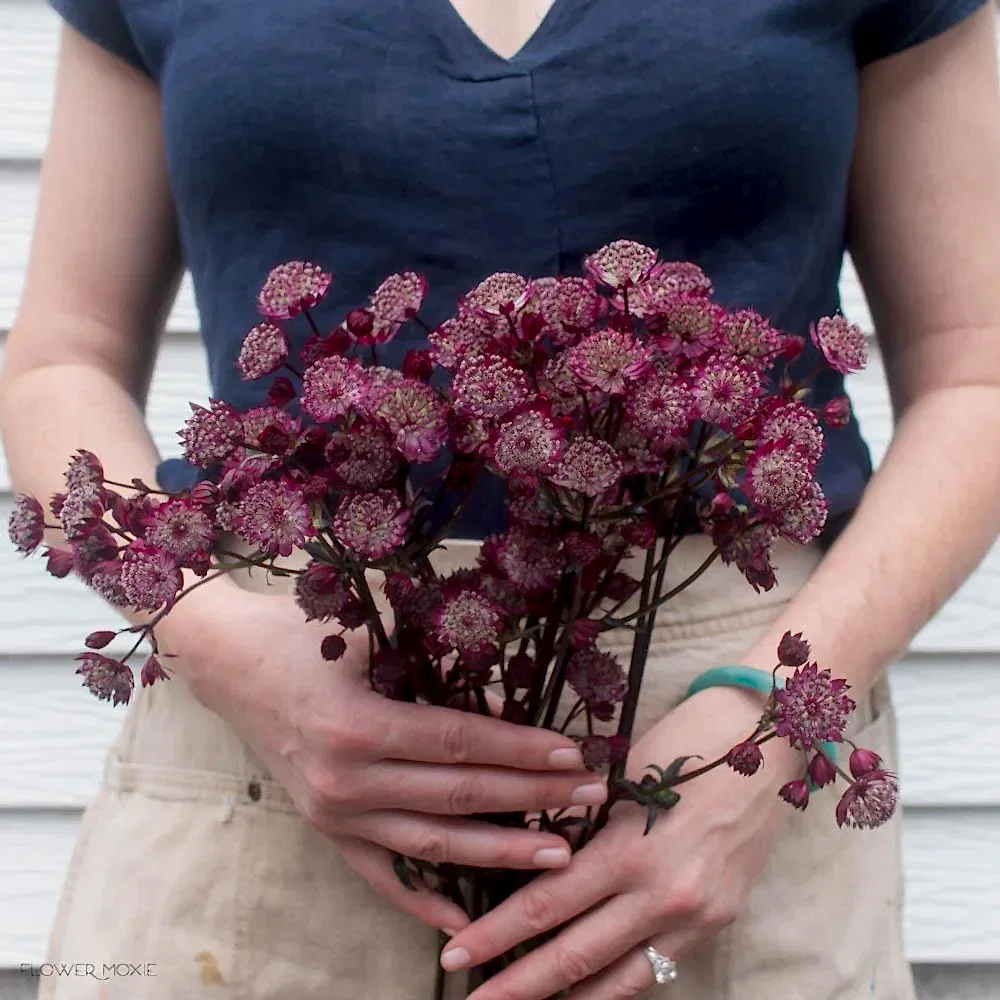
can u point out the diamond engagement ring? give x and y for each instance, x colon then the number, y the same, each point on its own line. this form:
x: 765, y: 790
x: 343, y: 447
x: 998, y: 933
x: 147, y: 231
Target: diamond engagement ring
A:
x: 664, y: 969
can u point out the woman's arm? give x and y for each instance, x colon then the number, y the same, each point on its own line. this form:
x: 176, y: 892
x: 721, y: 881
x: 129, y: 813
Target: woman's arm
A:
x: 925, y: 224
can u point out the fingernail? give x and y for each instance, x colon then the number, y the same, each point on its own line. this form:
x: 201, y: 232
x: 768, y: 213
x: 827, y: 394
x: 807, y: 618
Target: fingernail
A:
x: 454, y: 958
x: 566, y: 758
x: 551, y: 857
x: 590, y: 795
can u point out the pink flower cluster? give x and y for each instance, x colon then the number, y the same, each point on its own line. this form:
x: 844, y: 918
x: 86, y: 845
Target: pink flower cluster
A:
x: 608, y: 403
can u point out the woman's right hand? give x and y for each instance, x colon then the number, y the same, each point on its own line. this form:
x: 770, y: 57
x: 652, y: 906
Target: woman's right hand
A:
x: 378, y: 777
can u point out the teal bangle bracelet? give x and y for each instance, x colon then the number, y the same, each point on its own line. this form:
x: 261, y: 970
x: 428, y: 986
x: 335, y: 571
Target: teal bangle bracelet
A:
x: 751, y: 678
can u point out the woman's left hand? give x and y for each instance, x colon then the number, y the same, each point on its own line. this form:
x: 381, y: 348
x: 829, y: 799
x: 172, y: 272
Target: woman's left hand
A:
x: 673, y: 888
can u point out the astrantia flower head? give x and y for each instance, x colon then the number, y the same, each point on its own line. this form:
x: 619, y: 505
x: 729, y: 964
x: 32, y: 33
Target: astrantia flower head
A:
x: 320, y: 592
x: 795, y: 793
x: 600, y: 751
x: 870, y: 801
x: 661, y: 407
x: 745, y: 758
x: 778, y: 475
x: 588, y: 466
x: 107, y: 678
x: 750, y: 547
x: 672, y: 277
x: 149, y: 576
x: 152, y: 672
x: 812, y: 707
x: 843, y: 344
x: 622, y: 264
x: 331, y: 386
x: 793, y: 650
x: 598, y: 678
x: 570, y: 307
x: 749, y: 336
x: 26, y: 525
x: 806, y: 518
x: 93, y: 546
x: 79, y: 510
x: 274, y: 516
x: 371, y: 525
x: 463, y: 336
x: 727, y: 392
x: 609, y: 360
x: 531, y: 560
x: 210, y: 436
x: 270, y: 429
x: 837, y: 412
x: 292, y: 288
x: 362, y: 458
x: 181, y: 528
x: 415, y: 416
x: 798, y: 426
x: 264, y: 351
x: 489, y: 387
x: 395, y: 301
x: 685, y: 324
x: 500, y: 294
x: 84, y: 473
x: 863, y: 760
x: 529, y: 442
x: 467, y: 619
x: 105, y: 580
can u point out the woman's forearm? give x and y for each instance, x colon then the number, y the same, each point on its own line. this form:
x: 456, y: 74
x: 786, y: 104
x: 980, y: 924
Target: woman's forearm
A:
x: 927, y: 519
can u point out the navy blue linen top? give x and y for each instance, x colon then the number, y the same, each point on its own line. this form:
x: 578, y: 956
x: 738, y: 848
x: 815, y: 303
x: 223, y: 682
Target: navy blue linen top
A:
x: 374, y: 136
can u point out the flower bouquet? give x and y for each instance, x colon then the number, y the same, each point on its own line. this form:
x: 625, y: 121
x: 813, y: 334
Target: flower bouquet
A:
x: 614, y: 408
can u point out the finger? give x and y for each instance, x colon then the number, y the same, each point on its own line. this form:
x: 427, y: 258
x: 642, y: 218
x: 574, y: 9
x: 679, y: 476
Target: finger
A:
x: 446, y: 736
x: 460, y: 841
x: 579, y: 952
x: 632, y: 975
x: 543, y: 904
x: 374, y: 865
x: 464, y: 791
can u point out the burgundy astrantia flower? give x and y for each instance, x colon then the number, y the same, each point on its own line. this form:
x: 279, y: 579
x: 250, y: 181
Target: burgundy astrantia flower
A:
x: 467, y: 619
x: 863, y: 760
x: 92, y: 546
x: 274, y: 516
x: 600, y: 751
x: 870, y: 801
x: 531, y: 560
x: 26, y: 525
x: 685, y: 324
x: 500, y: 294
x: 778, y: 475
x: 796, y: 425
x: 529, y: 442
x: 751, y: 337
x: 609, y: 360
x: 622, y: 264
x: 750, y: 547
x: 292, y: 288
x: 598, y: 678
x: 463, y: 336
x: 660, y: 407
x: 793, y: 650
x: 371, y: 525
x: 837, y: 413
x: 320, y: 592
x: 570, y: 307
x: 395, y: 301
x: 152, y: 672
x: 588, y: 466
x: 745, y: 758
x: 672, y: 277
x: 843, y: 344
x: 264, y: 351
x: 727, y: 392
x: 150, y: 578
x: 79, y: 510
x: 821, y: 771
x: 795, y: 793
x: 107, y: 678
x: 812, y: 707
x: 362, y: 458
x: 415, y: 416
x: 181, y: 528
x: 211, y: 435
x: 332, y: 386
x: 84, y: 471
x: 489, y: 387
x: 806, y: 518
x: 105, y: 579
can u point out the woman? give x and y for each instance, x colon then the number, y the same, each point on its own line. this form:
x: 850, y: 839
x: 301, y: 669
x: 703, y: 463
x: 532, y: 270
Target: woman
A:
x: 241, y: 838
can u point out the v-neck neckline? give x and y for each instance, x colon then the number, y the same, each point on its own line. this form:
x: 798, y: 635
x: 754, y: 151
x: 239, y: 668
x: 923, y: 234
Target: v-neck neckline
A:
x: 469, y: 40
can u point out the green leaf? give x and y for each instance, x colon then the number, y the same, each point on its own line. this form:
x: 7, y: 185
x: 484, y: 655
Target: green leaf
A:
x: 671, y: 773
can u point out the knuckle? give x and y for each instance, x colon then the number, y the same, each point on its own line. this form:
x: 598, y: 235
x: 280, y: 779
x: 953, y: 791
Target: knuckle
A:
x: 539, y: 908
x: 457, y: 741
x: 350, y: 736
x: 329, y: 793
x: 686, y: 898
x: 434, y: 847
x: 719, y: 914
x: 464, y: 797
x: 572, y: 964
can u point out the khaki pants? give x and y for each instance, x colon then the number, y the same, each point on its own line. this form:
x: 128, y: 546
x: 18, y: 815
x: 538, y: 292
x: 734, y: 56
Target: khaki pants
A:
x: 192, y: 858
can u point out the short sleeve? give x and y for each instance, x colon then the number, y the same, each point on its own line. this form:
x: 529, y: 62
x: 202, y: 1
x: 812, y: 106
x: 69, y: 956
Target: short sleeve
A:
x: 889, y: 26
x: 103, y: 22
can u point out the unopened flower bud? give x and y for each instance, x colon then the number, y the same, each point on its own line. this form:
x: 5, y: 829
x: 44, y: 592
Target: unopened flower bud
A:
x: 821, y: 770
x: 722, y: 503
x: 333, y: 647
x: 281, y: 392
x: 837, y: 413
x: 583, y: 633
x: 641, y: 533
x: 360, y: 323
x: 205, y: 493
x: 745, y: 758
x: 59, y: 562
x: 621, y: 587
x: 863, y: 761
x: 152, y: 672
x: 793, y: 347
x: 98, y: 640
x: 418, y: 364
x: 793, y: 650
x: 795, y: 793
